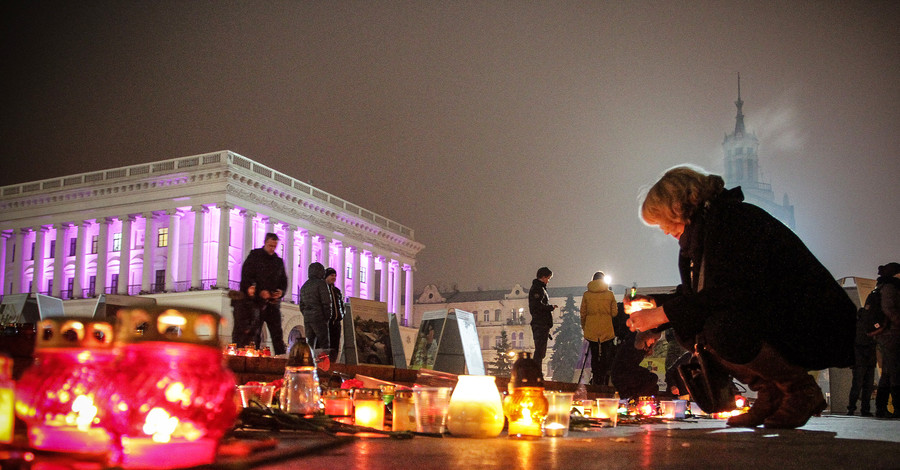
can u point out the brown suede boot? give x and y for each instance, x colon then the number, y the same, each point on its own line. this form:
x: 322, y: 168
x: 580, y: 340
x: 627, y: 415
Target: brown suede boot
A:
x: 768, y: 397
x: 801, y: 396
x: 768, y: 401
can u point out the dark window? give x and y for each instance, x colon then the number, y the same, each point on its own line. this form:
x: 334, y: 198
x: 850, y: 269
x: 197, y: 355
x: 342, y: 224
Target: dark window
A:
x: 114, y: 282
x: 33, y: 244
x: 73, y: 244
x: 160, y: 280
x: 52, y: 249
x: 95, y: 242
x: 50, y: 286
x: 92, y: 285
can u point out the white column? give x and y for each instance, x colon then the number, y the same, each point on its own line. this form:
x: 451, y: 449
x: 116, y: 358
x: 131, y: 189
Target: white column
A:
x: 78, y: 286
x: 38, y: 283
x: 383, y: 289
x: 172, y: 249
x: 370, y: 275
x: 58, y: 261
x: 354, y: 268
x: 197, y: 254
x: 248, y: 233
x: 18, y: 254
x: 289, y: 264
x: 408, y: 304
x: 224, y: 245
x: 339, y: 265
x: 396, y: 285
x: 305, y: 257
x: 270, y: 225
x: 125, y: 255
x: 149, y: 245
x: 325, y: 243
x: 102, y: 254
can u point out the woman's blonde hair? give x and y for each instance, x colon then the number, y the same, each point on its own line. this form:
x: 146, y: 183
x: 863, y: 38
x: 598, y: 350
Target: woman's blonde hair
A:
x: 679, y: 192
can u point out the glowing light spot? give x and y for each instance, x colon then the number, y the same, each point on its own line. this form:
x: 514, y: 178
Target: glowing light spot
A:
x: 86, y: 412
x: 64, y: 396
x: 160, y: 425
x: 172, y: 319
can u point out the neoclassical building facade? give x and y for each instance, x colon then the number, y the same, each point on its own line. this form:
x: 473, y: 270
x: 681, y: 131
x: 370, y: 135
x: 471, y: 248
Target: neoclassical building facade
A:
x: 186, y: 225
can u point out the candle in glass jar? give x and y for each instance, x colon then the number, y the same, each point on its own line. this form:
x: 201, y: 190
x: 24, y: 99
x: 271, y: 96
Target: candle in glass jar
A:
x: 368, y: 408
x: 404, y: 416
x: 338, y: 404
x: 475, y: 408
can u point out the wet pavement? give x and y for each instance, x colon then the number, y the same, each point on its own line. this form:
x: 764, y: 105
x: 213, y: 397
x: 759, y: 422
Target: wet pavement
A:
x: 830, y: 441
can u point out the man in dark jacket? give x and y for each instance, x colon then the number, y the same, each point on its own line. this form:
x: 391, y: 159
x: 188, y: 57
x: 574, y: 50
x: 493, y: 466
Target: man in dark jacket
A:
x: 315, y: 305
x: 541, y: 313
x: 263, y: 281
x: 337, y: 313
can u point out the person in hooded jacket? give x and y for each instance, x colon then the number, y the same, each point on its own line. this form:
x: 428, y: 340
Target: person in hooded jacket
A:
x: 598, y: 307
x: 753, y: 293
x: 315, y: 305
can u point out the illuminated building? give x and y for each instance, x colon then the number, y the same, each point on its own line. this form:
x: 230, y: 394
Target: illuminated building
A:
x: 185, y: 226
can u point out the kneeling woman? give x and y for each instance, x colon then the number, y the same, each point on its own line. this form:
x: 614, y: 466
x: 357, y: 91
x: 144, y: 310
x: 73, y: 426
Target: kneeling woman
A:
x: 764, y: 305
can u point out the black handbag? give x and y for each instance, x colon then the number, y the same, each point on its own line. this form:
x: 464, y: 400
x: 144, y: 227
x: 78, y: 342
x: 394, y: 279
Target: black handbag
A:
x: 708, y: 382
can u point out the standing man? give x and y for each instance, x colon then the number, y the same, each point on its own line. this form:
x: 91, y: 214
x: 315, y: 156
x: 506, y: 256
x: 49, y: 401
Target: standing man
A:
x: 541, y: 313
x: 263, y: 281
x: 315, y: 305
x: 337, y: 313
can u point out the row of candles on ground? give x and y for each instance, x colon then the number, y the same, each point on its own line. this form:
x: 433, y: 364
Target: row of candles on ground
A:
x: 473, y: 408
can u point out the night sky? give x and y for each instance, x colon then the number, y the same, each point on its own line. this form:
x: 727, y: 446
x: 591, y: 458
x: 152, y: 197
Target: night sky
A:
x: 509, y: 135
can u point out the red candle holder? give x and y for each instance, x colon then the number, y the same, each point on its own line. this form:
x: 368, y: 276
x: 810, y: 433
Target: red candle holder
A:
x: 174, y: 398
x: 60, y: 396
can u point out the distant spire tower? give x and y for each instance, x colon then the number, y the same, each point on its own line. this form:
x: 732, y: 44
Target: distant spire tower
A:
x: 739, y: 129
x: 742, y: 168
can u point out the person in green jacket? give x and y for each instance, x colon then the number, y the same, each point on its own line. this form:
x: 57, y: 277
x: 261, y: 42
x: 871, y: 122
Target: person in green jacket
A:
x: 598, y: 307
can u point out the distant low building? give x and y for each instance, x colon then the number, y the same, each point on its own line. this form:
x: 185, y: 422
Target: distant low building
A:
x: 499, y: 310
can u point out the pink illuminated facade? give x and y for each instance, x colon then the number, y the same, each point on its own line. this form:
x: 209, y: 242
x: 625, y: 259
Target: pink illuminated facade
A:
x: 186, y: 225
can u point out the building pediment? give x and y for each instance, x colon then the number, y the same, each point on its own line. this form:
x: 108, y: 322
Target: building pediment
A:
x: 517, y: 292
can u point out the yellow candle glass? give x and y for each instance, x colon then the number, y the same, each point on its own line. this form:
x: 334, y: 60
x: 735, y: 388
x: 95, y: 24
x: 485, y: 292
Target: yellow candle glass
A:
x: 368, y: 408
x: 475, y: 408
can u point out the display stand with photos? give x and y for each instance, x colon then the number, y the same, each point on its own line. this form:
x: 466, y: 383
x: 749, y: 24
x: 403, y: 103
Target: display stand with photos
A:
x: 371, y: 334
x: 448, y: 341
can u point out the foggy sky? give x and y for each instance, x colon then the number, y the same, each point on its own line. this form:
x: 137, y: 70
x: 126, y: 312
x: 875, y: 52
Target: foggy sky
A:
x: 508, y: 135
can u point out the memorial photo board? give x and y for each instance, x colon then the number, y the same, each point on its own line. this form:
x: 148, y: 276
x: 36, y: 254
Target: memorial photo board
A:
x: 448, y: 342
x: 367, y: 333
x: 468, y: 340
x: 428, y: 340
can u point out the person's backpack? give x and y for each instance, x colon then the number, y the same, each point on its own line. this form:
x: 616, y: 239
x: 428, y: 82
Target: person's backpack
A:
x: 875, y: 320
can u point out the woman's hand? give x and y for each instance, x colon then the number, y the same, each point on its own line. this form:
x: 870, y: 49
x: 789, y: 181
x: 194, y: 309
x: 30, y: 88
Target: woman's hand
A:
x: 643, y: 320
